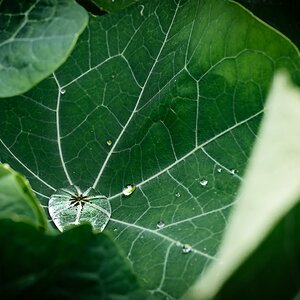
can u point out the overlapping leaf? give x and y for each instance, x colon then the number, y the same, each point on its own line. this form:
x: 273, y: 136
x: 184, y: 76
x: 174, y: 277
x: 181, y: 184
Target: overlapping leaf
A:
x: 16, y: 199
x: 169, y: 100
x: 76, y: 264
x: 36, y: 37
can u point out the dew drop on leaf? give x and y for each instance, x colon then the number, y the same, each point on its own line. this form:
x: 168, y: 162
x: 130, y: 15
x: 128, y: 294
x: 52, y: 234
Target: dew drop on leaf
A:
x: 109, y: 142
x: 233, y: 171
x: 160, y: 224
x: 186, y: 248
x: 72, y: 206
x: 128, y: 189
x: 177, y: 194
x: 203, y: 182
x: 62, y: 91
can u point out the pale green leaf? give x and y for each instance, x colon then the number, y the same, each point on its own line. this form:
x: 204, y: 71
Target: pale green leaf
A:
x: 271, y: 188
x: 36, y: 37
x: 17, y: 200
x: 170, y: 101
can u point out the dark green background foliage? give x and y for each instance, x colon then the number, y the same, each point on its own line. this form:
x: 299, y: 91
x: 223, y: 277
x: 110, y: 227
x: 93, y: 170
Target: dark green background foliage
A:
x: 73, y: 265
x: 179, y: 88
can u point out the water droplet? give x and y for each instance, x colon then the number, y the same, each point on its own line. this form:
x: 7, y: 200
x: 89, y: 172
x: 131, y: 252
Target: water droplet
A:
x: 62, y: 91
x: 203, y: 182
x: 160, y: 224
x: 233, y: 171
x: 71, y: 206
x: 219, y: 170
x: 128, y: 189
x: 186, y: 248
x: 109, y: 142
x: 177, y: 194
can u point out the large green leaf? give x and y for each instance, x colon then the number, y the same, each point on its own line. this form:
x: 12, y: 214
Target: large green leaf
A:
x: 17, y: 200
x: 261, y: 261
x: 36, y: 37
x: 114, y: 5
x: 74, y: 265
x: 169, y: 101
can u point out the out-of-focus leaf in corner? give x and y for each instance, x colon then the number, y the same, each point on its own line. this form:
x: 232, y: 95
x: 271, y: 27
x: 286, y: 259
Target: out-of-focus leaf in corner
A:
x: 36, y: 37
x: 76, y: 264
x: 17, y: 200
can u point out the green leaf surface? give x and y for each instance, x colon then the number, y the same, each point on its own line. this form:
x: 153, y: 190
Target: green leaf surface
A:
x: 282, y: 15
x: 17, y: 200
x: 74, y: 265
x: 114, y: 5
x: 169, y: 101
x: 36, y: 37
x: 266, y: 198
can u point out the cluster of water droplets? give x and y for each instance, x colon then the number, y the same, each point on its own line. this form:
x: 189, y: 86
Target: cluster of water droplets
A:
x: 71, y: 206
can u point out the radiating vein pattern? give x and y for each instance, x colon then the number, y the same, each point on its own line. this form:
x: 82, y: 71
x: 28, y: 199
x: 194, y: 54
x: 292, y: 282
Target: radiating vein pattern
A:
x: 169, y: 100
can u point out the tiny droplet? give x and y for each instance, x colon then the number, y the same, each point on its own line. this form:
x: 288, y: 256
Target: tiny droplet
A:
x: 109, y: 142
x: 62, y: 91
x: 129, y: 189
x: 233, y: 171
x: 160, y: 224
x: 203, y: 182
x: 186, y: 248
x: 177, y: 194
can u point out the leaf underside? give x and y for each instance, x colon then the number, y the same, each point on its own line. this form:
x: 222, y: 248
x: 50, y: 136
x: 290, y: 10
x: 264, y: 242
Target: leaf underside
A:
x: 179, y: 90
